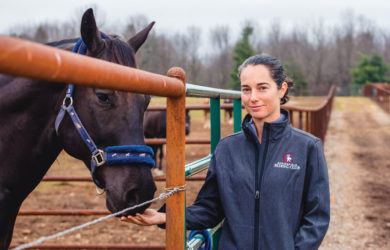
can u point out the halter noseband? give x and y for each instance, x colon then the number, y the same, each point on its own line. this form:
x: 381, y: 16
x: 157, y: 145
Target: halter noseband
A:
x: 115, y: 155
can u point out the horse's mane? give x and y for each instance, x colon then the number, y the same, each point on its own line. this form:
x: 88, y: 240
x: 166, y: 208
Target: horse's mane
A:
x: 63, y: 43
x: 121, y: 51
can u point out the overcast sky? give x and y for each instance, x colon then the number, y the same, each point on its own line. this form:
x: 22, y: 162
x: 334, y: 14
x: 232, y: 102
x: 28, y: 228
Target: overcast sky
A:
x: 174, y: 16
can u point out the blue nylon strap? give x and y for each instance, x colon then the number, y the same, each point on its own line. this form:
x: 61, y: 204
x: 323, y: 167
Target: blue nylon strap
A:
x: 130, y: 149
x: 129, y: 154
x: 59, y: 118
x: 82, y: 131
x: 128, y: 158
x: 122, y: 155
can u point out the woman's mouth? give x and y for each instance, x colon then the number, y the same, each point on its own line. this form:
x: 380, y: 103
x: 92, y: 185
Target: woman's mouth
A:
x: 257, y: 107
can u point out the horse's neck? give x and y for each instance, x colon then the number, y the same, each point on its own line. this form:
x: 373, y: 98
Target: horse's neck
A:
x: 27, y: 113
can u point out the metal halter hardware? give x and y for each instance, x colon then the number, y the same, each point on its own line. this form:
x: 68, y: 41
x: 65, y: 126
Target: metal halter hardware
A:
x: 114, y: 155
x: 98, y: 157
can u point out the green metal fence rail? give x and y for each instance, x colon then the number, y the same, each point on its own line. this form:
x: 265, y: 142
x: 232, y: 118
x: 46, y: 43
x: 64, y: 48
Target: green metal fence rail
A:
x: 198, y: 166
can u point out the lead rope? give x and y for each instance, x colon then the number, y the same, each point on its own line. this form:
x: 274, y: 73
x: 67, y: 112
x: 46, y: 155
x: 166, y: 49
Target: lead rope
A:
x: 162, y: 196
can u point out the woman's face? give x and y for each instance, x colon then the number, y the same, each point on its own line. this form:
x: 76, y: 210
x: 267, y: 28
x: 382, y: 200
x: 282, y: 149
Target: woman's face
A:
x: 259, y: 93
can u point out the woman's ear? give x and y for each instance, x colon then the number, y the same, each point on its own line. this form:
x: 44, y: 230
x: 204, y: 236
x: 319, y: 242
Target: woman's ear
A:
x: 283, y: 89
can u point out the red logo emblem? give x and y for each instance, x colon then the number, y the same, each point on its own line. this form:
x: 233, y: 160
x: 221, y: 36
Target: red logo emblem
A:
x: 288, y: 158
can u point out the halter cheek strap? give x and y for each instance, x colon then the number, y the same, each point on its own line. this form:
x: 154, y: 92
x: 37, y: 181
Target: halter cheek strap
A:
x: 110, y: 156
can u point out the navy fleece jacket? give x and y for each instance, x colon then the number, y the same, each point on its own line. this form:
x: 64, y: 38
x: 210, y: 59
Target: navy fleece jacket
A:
x: 273, y: 195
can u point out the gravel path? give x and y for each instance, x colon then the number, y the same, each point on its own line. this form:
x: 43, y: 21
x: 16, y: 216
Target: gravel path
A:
x: 357, y: 151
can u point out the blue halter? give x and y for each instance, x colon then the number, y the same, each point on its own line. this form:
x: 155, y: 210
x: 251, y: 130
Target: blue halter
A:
x: 115, y: 155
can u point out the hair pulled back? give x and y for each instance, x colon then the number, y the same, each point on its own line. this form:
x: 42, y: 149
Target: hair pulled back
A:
x: 275, y: 68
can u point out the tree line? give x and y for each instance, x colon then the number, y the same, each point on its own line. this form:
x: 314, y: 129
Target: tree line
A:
x: 315, y: 55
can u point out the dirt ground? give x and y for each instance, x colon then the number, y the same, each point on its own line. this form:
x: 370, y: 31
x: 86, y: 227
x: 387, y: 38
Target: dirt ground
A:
x: 357, y: 152
x: 76, y: 195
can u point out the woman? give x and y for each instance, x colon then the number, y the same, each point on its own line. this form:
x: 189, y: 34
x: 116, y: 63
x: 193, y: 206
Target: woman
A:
x: 269, y: 182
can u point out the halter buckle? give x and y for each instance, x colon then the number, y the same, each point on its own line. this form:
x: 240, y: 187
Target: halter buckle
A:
x: 68, y: 101
x: 99, y: 158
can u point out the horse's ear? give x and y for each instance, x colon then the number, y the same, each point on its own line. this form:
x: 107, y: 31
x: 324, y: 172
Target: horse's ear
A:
x: 137, y: 40
x: 90, y: 32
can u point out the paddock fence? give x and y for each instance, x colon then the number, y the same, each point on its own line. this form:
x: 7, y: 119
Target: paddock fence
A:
x: 302, y: 118
x: 50, y: 64
x: 314, y: 120
x: 380, y: 93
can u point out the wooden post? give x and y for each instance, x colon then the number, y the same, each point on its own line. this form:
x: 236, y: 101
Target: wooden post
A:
x: 300, y: 120
x: 175, y: 210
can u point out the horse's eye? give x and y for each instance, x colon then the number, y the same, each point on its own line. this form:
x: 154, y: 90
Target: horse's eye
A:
x: 103, y: 98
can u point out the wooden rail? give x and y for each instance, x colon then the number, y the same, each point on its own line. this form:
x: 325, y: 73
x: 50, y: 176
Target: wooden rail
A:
x: 98, y: 246
x: 380, y: 93
x: 313, y: 120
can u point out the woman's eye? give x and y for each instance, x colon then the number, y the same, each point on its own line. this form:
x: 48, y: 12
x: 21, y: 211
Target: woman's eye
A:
x: 263, y: 88
x: 245, y: 90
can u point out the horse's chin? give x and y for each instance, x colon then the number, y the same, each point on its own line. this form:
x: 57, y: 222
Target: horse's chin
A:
x: 130, y: 212
x: 115, y: 206
x: 127, y: 186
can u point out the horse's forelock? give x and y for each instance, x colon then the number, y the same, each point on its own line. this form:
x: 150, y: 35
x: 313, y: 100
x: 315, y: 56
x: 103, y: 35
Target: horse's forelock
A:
x: 122, y: 53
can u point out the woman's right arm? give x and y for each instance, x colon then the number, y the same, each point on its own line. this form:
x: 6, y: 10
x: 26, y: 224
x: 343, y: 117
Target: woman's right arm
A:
x: 206, y: 212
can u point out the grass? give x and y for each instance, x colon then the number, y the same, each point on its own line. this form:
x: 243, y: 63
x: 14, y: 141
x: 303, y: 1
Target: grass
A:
x: 351, y: 103
x: 306, y: 101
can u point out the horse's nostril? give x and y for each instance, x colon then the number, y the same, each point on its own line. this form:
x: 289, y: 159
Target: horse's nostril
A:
x: 132, y: 196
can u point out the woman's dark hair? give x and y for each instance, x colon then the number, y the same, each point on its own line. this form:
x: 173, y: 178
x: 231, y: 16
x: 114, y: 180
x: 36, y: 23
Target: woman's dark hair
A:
x: 274, y: 66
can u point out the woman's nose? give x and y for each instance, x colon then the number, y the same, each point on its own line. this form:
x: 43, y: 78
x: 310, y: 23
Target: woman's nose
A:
x: 253, y: 96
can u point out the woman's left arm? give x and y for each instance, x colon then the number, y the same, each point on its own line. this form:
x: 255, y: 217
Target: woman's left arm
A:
x: 316, y: 211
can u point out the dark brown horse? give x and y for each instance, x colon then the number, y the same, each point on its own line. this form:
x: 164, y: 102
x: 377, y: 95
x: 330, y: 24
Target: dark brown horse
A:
x: 228, y: 111
x: 155, y: 126
x: 29, y: 142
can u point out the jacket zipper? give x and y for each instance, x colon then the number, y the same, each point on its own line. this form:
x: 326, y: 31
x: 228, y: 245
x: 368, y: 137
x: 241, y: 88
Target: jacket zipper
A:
x: 258, y: 180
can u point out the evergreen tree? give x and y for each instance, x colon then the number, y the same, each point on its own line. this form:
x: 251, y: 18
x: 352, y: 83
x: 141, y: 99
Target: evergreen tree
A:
x: 370, y: 69
x: 241, y: 51
x: 293, y: 71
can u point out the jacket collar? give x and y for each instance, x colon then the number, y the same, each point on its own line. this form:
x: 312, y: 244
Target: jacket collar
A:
x: 276, y: 129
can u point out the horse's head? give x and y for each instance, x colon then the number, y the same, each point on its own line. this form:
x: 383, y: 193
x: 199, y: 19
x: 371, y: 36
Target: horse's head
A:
x: 111, y: 118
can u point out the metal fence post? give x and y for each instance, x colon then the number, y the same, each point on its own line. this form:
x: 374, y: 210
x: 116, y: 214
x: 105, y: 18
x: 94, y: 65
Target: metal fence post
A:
x: 215, y: 120
x: 237, y: 111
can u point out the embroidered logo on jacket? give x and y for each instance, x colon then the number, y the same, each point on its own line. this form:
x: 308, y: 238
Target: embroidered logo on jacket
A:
x: 287, y: 158
x: 287, y: 162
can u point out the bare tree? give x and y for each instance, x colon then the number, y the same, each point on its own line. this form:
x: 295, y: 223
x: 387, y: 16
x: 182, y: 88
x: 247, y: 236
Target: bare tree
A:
x: 317, y: 53
x: 219, y: 63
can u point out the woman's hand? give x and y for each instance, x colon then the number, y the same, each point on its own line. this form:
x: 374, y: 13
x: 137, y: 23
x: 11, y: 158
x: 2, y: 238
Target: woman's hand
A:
x: 148, y: 218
